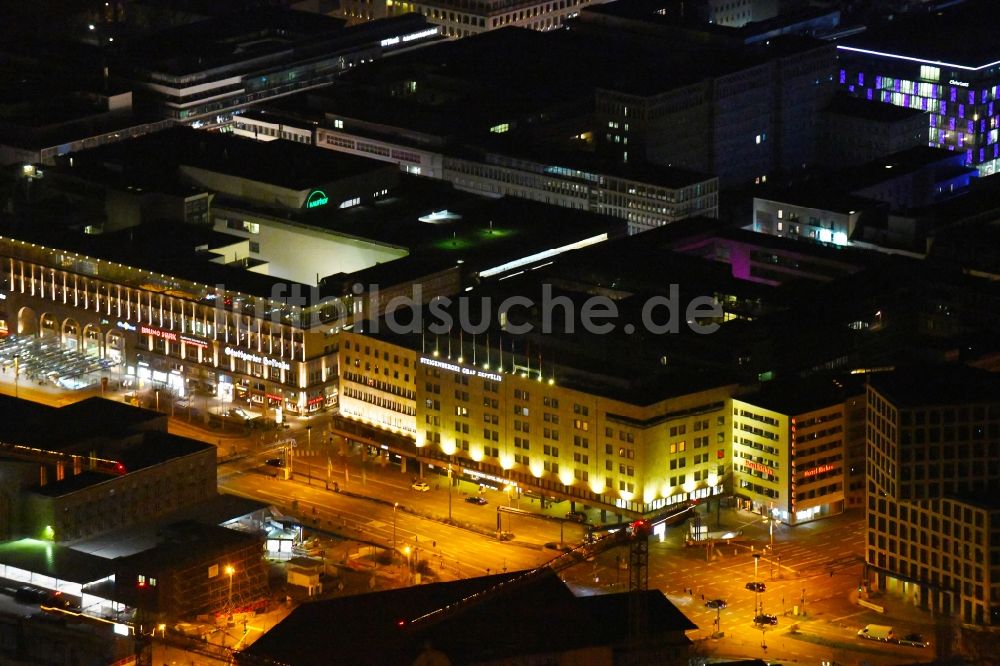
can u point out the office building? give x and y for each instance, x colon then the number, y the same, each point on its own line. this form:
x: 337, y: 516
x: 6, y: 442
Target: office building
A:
x: 528, y: 139
x: 201, y: 72
x: 94, y: 466
x: 856, y: 131
x: 909, y: 63
x: 464, y: 19
x: 871, y: 204
x: 241, y: 297
x: 741, y: 111
x: 933, y: 473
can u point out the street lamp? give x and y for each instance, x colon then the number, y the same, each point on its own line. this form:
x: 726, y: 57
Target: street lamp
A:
x: 230, y: 570
x: 449, y: 491
x: 394, y: 507
x: 409, y: 565
x: 756, y: 585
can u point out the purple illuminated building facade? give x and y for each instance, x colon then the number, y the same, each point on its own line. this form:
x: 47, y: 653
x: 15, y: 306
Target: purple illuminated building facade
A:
x: 955, y: 81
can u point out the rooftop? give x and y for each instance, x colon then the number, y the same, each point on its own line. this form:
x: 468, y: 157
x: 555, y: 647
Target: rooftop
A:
x: 49, y: 559
x: 57, y: 428
x: 302, y: 167
x: 542, y: 616
x: 230, y: 40
x: 932, y: 385
x: 918, y: 36
x: 801, y: 395
x: 129, y: 541
x: 152, y: 448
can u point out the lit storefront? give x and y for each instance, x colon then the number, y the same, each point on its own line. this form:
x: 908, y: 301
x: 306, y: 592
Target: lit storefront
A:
x: 166, y: 333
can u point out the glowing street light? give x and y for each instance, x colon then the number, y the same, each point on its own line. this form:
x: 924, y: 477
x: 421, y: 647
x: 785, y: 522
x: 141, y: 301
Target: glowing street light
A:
x: 394, y: 507
x: 230, y: 570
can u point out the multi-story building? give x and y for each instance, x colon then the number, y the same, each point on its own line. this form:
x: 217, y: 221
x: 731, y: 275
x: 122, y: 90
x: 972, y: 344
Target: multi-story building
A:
x: 907, y: 63
x: 790, y: 447
x: 856, y: 131
x: 506, y: 423
x: 243, y: 301
x: 738, y: 111
x: 933, y: 474
x: 463, y: 19
x: 206, y: 70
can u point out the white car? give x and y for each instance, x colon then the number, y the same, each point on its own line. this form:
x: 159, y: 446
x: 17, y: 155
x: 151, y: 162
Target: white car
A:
x: 422, y: 486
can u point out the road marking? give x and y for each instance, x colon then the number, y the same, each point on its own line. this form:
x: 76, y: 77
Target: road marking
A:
x: 844, y: 617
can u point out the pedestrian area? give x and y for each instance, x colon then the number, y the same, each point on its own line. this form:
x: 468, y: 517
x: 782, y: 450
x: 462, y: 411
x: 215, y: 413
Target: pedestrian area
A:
x: 42, y: 361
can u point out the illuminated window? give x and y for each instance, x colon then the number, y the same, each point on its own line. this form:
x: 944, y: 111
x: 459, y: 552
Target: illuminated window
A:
x: 501, y: 128
x: 930, y: 73
x: 339, y: 124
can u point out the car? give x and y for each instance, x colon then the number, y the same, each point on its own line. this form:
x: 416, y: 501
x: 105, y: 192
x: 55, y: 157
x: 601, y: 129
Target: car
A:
x: 716, y: 603
x: 475, y: 499
x: 274, y: 462
x: 29, y: 594
x: 242, y: 413
x: 913, y: 640
x: 578, y: 516
x: 422, y: 486
x: 764, y: 618
x: 756, y: 587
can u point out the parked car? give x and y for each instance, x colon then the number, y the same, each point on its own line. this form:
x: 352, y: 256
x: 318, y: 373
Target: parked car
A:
x: 578, y: 516
x: 756, y: 587
x: 242, y: 413
x: 715, y: 603
x: 913, y: 640
x: 764, y: 618
x: 275, y: 462
x: 475, y: 499
x: 29, y: 594
x: 422, y: 486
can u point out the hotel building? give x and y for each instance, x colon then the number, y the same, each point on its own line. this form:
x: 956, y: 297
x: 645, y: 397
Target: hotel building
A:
x: 505, y: 423
x: 955, y: 81
x: 789, y: 448
x: 933, y: 475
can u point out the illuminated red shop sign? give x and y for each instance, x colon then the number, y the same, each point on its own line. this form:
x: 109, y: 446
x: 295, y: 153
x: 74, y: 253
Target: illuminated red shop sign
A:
x: 313, y: 401
x: 169, y: 336
x: 817, y: 470
x: 756, y: 466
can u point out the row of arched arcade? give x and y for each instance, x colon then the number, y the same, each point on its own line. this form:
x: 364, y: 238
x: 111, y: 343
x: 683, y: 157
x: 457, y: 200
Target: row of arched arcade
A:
x: 90, y: 339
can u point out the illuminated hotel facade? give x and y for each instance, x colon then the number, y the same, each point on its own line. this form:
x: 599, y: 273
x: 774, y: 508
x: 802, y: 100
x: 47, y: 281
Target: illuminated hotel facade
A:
x: 526, y: 429
x: 910, y: 64
x: 791, y: 463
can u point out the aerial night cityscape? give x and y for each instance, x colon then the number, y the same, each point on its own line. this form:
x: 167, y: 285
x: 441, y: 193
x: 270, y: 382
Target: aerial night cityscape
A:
x: 499, y: 332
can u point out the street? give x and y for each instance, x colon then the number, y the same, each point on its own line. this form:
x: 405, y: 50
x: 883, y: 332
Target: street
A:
x: 812, y: 575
